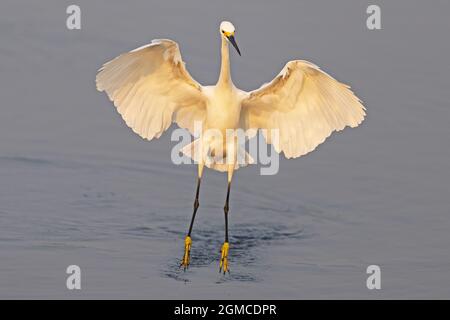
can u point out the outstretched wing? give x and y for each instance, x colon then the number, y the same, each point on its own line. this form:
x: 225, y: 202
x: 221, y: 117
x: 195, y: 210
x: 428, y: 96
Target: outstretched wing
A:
x: 151, y: 88
x: 305, y: 104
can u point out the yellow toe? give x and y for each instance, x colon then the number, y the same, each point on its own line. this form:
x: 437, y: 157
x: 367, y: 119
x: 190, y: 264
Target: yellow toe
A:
x: 224, y: 258
x: 187, y: 253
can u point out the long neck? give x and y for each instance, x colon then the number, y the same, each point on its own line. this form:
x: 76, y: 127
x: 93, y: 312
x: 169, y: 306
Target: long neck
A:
x: 225, y: 76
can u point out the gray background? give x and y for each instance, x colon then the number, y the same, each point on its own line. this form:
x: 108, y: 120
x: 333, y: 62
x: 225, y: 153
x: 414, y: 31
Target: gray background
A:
x: 78, y: 187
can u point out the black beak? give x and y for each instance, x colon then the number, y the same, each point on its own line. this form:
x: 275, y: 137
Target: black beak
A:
x: 233, y: 42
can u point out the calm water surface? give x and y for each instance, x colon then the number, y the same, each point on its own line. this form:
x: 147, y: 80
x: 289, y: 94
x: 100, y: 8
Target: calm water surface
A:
x: 78, y: 187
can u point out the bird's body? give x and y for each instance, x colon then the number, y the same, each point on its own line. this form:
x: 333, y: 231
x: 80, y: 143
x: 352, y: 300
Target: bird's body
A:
x: 223, y: 112
x: 151, y: 88
x: 222, y: 98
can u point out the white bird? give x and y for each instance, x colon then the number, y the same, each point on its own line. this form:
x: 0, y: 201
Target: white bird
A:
x: 151, y: 88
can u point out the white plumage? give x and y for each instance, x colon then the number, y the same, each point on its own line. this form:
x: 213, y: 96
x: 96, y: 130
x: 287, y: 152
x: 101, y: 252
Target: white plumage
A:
x: 151, y: 88
x: 305, y: 104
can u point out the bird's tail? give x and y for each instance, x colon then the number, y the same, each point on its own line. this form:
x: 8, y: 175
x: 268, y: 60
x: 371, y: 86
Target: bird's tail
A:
x: 195, y: 152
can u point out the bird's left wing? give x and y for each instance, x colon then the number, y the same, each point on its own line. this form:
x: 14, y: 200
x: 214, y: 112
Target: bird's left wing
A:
x: 305, y: 104
x: 151, y: 88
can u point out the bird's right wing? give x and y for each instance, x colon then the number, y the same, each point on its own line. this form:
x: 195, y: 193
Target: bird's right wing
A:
x: 304, y: 104
x: 151, y: 88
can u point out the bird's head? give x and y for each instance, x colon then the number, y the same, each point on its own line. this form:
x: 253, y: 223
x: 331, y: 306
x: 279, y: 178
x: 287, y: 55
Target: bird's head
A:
x: 227, y: 31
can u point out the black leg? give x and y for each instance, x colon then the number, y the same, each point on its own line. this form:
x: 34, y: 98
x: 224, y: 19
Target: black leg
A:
x: 196, y: 205
x: 225, y: 211
x: 188, y: 241
x: 223, y: 266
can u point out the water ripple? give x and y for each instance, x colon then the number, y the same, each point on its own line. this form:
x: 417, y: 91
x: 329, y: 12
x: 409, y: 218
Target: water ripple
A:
x: 248, y: 244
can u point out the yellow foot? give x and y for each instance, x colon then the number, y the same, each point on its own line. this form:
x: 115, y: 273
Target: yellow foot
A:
x: 187, y: 253
x: 224, y: 258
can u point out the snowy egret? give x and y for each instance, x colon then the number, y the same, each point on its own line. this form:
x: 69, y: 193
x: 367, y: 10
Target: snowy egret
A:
x: 151, y: 88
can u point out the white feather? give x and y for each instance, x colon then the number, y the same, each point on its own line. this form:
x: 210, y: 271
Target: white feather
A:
x: 305, y: 104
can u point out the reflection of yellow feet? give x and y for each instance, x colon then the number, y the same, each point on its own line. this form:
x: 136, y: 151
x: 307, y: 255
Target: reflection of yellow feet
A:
x: 187, y: 253
x: 224, y: 258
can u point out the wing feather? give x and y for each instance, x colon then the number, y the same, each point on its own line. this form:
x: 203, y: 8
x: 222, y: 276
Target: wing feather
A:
x: 151, y: 88
x: 304, y: 104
